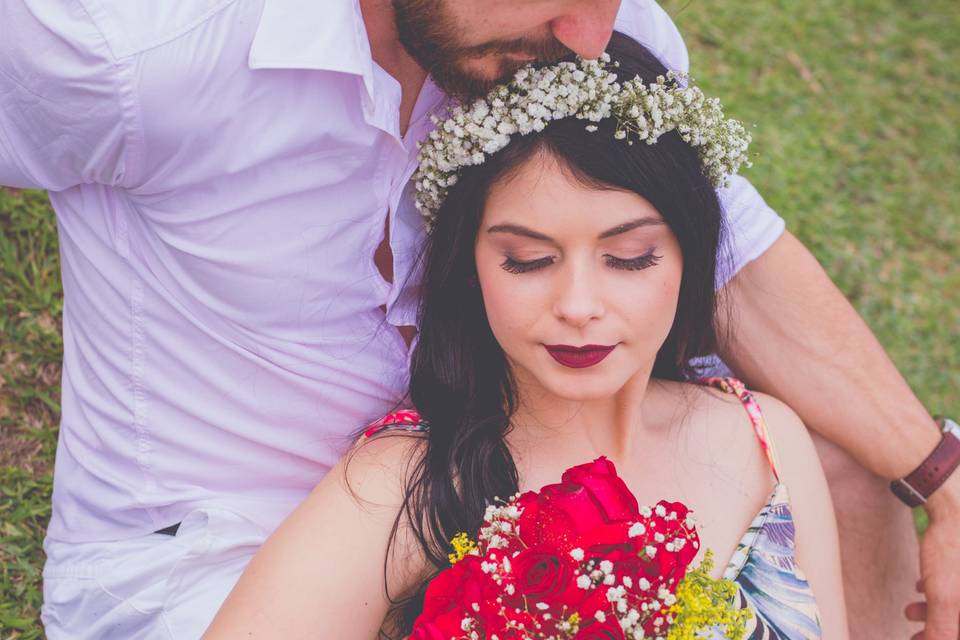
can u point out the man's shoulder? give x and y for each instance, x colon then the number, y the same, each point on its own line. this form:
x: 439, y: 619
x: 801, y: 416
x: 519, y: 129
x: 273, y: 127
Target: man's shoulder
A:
x: 649, y: 24
x: 130, y: 27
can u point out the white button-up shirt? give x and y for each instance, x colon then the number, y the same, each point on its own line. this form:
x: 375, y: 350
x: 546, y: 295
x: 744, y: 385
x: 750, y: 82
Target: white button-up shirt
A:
x: 221, y: 172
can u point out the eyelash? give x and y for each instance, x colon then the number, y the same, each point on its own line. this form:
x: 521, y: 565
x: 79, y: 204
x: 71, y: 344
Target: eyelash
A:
x: 639, y: 263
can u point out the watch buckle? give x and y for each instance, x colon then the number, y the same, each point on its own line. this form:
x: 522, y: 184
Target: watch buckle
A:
x: 905, y: 486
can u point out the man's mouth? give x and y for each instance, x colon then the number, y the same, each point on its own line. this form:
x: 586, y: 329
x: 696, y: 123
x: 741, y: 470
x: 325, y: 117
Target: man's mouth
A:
x: 520, y: 57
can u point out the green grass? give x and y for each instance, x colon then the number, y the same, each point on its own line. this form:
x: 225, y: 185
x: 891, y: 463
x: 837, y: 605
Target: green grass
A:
x: 31, y: 301
x: 856, y: 143
x: 855, y: 106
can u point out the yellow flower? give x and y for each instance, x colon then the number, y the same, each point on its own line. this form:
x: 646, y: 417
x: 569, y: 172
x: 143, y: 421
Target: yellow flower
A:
x: 704, y: 603
x: 462, y: 545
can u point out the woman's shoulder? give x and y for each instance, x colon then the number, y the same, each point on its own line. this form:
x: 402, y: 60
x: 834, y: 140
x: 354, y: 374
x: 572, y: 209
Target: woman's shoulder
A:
x: 381, y: 463
x: 733, y: 399
x: 341, y: 556
x: 742, y: 419
x: 775, y: 425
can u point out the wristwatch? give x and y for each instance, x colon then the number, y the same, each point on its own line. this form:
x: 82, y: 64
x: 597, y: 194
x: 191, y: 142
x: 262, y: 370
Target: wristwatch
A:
x: 915, y: 488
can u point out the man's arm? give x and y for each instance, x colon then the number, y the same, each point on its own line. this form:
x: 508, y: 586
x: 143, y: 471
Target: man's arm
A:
x: 792, y: 334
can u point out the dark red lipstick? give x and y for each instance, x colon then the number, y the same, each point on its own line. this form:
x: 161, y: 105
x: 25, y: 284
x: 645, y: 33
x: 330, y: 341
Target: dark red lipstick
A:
x: 579, y: 357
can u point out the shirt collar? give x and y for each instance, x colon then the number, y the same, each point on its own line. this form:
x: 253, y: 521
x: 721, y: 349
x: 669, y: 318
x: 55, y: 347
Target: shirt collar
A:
x: 308, y: 34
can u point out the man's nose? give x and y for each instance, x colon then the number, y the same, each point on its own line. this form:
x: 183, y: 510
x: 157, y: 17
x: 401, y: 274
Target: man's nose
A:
x: 586, y: 31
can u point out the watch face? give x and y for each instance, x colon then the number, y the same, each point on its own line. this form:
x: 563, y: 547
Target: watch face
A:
x: 949, y: 426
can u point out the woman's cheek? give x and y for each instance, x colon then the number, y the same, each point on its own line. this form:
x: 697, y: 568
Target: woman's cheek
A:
x: 653, y: 303
x: 511, y: 302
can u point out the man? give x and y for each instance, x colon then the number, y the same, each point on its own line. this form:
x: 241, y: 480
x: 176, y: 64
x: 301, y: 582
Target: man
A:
x: 239, y: 251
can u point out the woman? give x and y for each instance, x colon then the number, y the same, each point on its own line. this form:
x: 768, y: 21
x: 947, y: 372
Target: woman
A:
x: 569, y: 282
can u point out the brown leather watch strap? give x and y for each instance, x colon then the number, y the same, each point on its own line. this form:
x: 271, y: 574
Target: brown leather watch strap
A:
x: 915, y: 488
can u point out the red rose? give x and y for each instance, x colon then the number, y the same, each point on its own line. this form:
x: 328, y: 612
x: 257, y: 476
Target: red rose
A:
x: 545, y: 521
x: 591, y: 504
x: 590, y: 510
x: 606, y: 630
x: 449, y: 598
x: 443, y: 628
x: 542, y: 575
x: 626, y: 561
x: 600, y: 479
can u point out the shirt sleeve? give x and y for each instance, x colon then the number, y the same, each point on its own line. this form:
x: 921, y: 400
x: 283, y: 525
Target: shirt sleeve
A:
x: 751, y: 225
x: 751, y: 228
x: 64, y: 115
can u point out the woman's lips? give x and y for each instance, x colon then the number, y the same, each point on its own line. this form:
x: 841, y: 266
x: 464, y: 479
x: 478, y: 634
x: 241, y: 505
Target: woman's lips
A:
x: 579, y: 357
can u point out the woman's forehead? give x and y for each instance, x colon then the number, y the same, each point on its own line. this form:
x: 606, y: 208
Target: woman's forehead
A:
x: 544, y: 192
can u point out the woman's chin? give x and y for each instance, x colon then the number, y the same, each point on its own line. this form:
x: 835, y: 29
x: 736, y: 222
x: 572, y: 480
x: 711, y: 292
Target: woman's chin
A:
x: 582, y: 388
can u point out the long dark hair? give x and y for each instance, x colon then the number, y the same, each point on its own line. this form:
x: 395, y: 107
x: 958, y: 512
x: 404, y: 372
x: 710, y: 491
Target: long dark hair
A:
x: 460, y: 382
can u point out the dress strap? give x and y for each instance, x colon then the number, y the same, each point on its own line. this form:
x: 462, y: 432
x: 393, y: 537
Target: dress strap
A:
x: 737, y: 388
x: 403, y: 420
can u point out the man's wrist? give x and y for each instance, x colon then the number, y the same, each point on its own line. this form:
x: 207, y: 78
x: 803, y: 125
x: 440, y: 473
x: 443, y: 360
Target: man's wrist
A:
x: 935, y: 473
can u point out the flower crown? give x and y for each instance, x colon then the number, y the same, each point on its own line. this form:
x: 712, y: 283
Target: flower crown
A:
x: 587, y: 90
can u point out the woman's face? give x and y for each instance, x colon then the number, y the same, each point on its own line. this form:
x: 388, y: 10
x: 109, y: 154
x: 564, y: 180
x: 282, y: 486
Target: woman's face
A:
x: 580, y: 285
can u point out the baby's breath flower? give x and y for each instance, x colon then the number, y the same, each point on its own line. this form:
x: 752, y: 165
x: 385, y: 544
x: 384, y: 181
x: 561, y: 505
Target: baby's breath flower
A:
x: 587, y: 90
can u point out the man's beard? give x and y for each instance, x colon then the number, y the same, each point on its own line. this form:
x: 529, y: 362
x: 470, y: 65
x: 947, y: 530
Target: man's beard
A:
x: 431, y: 38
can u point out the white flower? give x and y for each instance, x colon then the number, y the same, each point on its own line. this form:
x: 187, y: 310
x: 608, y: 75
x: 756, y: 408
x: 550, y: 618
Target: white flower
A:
x: 587, y: 89
x: 615, y: 593
x: 637, y: 529
x: 584, y: 582
x: 577, y: 554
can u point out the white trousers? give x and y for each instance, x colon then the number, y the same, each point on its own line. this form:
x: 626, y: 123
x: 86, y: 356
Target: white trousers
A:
x: 155, y: 587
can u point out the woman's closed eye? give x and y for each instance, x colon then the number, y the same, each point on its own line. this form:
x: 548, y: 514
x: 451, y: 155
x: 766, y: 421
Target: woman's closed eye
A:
x: 648, y: 259
x: 523, y: 266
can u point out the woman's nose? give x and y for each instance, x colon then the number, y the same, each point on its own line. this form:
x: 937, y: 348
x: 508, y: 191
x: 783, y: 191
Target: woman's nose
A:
x: 586, y: 30
x: 578, y: 299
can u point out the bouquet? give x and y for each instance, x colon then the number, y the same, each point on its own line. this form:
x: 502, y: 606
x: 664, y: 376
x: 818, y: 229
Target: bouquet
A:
x: 579, y: 560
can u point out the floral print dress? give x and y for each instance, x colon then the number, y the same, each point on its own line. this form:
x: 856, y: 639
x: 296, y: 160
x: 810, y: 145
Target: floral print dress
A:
x: 764, y: 565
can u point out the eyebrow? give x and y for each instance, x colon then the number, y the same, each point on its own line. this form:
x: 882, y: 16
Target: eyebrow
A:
x: 520, y: 230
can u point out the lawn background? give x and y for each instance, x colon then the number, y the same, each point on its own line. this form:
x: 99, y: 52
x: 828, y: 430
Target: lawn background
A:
x: 856, y: 142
